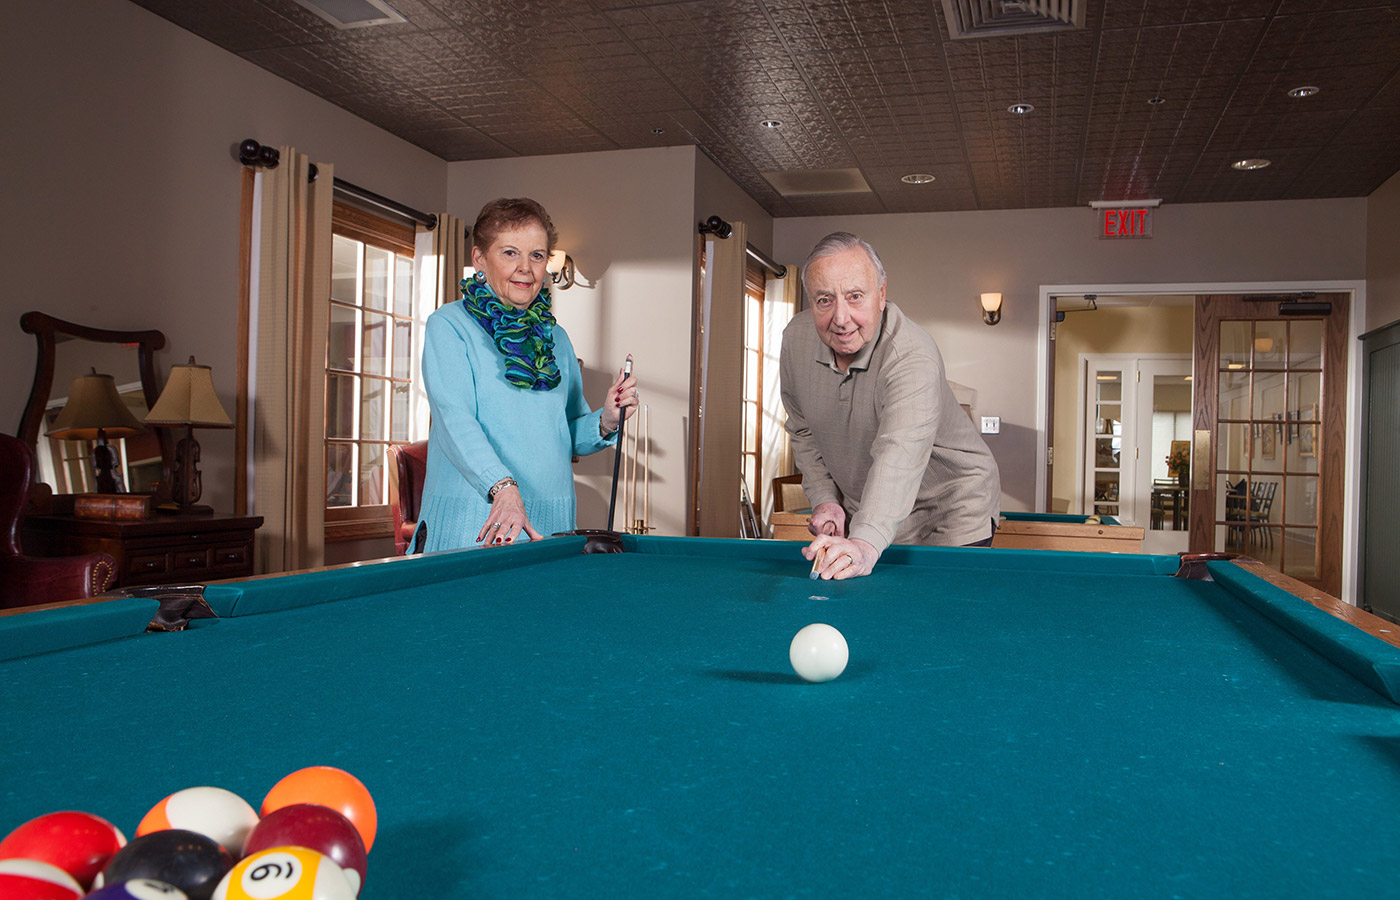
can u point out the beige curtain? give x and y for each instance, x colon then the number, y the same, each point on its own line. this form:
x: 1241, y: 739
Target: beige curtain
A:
x: 289, y: 317
x: 440, y: 256
x: 779, y: 306
x: 720, y: 431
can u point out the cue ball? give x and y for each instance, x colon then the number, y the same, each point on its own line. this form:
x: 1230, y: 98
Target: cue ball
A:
x: 1093, y: 520
x: 819, y: 653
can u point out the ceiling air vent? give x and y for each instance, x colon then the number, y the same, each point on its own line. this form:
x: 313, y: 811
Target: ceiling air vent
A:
x: 354, y: 13
x: 809, y: 182
x: 994, y: 18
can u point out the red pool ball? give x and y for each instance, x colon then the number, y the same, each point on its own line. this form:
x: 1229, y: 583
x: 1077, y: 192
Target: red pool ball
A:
x: 79, y: 843
x: 316, y: 828
x: 327, y: 786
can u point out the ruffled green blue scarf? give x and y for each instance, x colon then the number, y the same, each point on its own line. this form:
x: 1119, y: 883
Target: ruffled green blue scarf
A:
x: 524, y: 336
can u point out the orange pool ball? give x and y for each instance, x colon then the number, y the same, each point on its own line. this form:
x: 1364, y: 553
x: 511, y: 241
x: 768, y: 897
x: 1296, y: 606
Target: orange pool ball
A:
x: 330, y: 787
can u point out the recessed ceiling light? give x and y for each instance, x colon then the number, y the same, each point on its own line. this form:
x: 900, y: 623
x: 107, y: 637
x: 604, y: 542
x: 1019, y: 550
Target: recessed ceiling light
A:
x: 1020, y: 109
x: 1249, y: 165
x: 917, y: 178
x: 1156, y: 101
x: 1306, y: 90
x: 771, y: 123
x: 658, y: 131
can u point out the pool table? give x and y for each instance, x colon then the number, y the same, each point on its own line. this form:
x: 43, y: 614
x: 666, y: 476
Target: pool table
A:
x: 534, y: 721
x: 1023, y: 531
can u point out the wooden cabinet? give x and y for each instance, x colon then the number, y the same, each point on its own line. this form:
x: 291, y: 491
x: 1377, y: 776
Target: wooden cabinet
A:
x: 157, y: 550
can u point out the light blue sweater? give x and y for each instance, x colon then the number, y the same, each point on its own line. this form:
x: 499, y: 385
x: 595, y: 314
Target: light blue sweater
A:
x: 485, y: 429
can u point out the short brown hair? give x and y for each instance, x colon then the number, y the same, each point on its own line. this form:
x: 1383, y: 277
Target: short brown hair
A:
x: 507, y: 213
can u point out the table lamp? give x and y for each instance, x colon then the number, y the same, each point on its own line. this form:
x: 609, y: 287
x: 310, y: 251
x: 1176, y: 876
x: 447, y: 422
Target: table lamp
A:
x: 189, y: 400
x: 95, y: 412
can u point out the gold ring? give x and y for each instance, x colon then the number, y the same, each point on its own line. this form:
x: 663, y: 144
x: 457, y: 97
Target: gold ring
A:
x: 850, y: 557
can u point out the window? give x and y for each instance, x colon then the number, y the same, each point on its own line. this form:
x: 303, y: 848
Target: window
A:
x: 751, y: 465
x: 371, y: 364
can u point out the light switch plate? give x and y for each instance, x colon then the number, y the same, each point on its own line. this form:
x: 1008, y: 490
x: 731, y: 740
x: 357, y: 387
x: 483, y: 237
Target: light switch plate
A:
x: 991, y: 424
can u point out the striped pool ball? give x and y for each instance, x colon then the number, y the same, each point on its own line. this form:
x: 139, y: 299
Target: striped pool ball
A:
x: 210, y: 811
x: 284, y: 873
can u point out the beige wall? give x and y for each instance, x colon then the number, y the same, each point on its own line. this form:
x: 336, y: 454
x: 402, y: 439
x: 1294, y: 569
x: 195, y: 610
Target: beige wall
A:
x: 628, y: 218
x: 939, y: 262
x: 1142, y: 330
x: 121, y: 191
x: 1383, y: 254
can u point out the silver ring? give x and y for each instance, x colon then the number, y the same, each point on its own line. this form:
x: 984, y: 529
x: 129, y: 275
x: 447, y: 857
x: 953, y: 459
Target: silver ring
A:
x: 494, y: 525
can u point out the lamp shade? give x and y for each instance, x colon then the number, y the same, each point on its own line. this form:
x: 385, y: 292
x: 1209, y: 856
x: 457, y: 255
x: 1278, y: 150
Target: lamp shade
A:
x: 189, y: 399
x: 991, y: 302
x: 556, y: 261
x: 94, y: 405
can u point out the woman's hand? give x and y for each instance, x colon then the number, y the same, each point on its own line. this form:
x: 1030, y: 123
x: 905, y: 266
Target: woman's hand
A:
x: 507, y: 519
x: 841, y: 558
x: 623, y: 399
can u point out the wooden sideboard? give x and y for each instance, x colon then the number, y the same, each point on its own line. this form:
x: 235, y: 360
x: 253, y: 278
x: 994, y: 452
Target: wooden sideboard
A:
x: 156, y: 550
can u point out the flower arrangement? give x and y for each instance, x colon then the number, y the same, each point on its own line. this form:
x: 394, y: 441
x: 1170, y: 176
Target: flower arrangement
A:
x: 1179, y: 463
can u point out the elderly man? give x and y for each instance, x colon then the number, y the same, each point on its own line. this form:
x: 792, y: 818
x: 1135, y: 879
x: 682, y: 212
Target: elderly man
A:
x: 886, y: 453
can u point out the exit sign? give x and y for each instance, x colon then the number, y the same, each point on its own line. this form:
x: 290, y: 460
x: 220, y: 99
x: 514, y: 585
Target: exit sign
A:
x: 1126, y: 222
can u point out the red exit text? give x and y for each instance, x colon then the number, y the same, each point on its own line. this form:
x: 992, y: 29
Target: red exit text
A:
x: 1126, y: 223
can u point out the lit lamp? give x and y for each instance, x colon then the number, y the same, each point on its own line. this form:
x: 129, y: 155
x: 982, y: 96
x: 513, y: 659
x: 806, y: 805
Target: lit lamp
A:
x: 188, y: 400
x: 95, y: 412
x: 560, y: 268
x: 991, y: 308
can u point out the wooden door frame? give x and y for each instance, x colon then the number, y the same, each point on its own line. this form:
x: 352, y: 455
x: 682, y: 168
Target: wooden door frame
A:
x: 1356, y: 288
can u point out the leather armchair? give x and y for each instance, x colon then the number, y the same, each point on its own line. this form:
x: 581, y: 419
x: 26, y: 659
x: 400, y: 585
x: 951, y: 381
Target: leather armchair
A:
x: 410, y: 463
x: 26, y: 580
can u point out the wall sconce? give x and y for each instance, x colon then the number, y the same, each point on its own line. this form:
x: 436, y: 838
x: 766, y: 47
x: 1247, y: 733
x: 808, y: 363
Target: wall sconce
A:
x: 95, y: 412
x: 991, y: 308
x: 561, y: 269
x: 189, y: 400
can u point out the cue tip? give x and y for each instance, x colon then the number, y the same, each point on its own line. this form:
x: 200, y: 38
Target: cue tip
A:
x: 816, y: 564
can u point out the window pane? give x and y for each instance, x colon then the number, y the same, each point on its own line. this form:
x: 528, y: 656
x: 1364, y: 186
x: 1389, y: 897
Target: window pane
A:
x: 371, y: 474
x: 339, y: 459
x: 1268, y: 395
x: 1304, y: 392
x: 1232, y: 454
x: 374, y: 340
x: 403, y: 285
x: 377, y: 263
x: 374, y: 404
x: 1305, y: 344
x: 345, y: 264
x: 340, y: 341
x: 1234, y: 344
x: 1299, y: 552
x: 1301, y: 442
x: 1234, y: 395
x: 340, y: 406
x: 1299, y: 500
x: 398, y: 429
x: 1269, y: 338
x: 403, y: 348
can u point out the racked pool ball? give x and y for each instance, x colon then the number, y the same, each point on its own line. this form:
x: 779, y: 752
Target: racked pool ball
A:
x: 138, y: 889
x: 210, y: 811
x: 285, y: 872
x: 79, y: 843
x: 818, y: 653
x: 184, y: 859
x: 315, y: 828
x: 327, y: 786
x: 29, y: 879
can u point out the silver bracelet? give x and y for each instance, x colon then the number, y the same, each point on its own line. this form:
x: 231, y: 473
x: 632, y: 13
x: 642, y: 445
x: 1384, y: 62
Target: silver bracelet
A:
x: 498, y: 486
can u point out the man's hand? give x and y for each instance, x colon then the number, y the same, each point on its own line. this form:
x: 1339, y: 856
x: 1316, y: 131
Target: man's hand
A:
x: 841, y: 558
x: 828, y: 518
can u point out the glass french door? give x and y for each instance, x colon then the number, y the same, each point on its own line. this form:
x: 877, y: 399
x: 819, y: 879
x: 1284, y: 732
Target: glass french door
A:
x: 1108, y: 406
x: 1270, y: 425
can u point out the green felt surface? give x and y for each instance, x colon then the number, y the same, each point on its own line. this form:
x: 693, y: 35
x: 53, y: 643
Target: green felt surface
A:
x: 45, y: 630
x: 1056, y: 518
x: 1012, y: 723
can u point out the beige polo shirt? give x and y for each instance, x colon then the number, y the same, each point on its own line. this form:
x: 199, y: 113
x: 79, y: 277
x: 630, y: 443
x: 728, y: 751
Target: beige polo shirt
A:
x: 887, y: 439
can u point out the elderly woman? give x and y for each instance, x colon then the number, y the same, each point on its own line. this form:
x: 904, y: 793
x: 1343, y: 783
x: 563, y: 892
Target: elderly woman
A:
x: 506, y: 395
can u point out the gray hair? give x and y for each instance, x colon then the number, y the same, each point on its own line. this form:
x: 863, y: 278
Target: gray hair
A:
x: 839, y: 242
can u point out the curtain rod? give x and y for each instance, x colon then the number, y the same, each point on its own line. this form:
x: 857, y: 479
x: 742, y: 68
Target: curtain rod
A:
x: 252, y: 153
x: 722, y: 229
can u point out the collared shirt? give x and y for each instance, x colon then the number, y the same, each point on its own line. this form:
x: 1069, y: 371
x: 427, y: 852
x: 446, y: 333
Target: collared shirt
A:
x: 887, y: 439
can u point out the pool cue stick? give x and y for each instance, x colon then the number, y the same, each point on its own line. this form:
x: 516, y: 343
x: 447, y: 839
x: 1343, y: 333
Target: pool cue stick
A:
x: 646, y: 470
x: 617, y: 457
x: 632, y: 482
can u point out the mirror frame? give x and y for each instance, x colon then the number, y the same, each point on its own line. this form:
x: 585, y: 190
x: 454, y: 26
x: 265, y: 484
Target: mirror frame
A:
x: 45, y: 329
